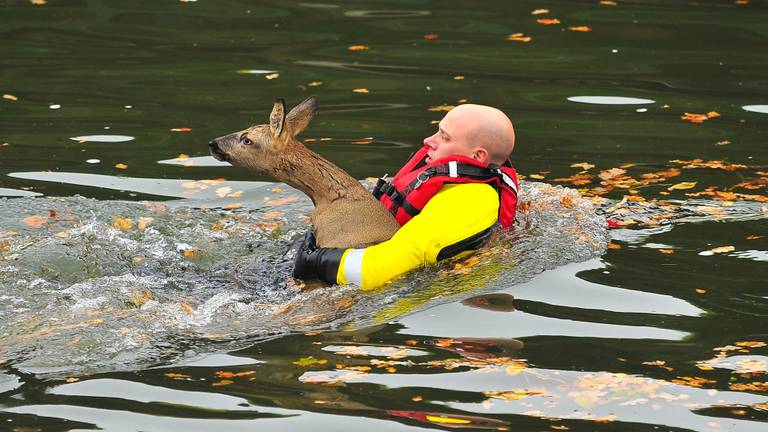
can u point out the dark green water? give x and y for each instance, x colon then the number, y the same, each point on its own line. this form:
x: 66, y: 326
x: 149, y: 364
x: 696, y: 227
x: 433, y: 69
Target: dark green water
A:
x: 624, y: 342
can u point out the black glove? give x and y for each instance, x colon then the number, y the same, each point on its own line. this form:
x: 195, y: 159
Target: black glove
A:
x: 313, y: 262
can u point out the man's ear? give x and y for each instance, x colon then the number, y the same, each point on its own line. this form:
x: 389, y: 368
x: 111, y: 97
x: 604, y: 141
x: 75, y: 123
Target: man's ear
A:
x: 300, y: 116
x: 277, y: 118
x: 481, y: 155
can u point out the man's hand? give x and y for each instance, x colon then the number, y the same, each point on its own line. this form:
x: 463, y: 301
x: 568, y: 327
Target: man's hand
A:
x: 313, y: 262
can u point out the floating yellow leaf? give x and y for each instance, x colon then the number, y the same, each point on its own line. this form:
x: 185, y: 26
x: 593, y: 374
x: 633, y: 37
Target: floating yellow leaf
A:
x: 182, y: 129
x: 511, y: 394
x: 519, y: 37
x: 361, y: 90
x: 417, y: 398
x: 539, y: 11
x: 750, y: 344
x: 122, y: 223
x: 608, y: 3
x: 583, y: 165
x: 722, y: 249
x: 309, y: 361
x: 536, y: 176
x: 315, y: 84
x: 441, y: 108
x: 72, y: 379
x: 357, y: 47
x: 458, y: 77
x: 121, y: 166
x: 701, y: 291
x: 223, y: 382
x: 10, y: 97
x: 682, y: 186
x: 272, y: 76
x: 611, y: 173
x: 182, y: 156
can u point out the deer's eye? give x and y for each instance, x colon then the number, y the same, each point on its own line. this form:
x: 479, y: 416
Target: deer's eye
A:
x: 245, y: 140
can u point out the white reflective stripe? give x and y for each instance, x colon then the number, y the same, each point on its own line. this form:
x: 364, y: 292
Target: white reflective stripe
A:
x: 509, y: 182
x: 453, y: 169
x: 353, y: 267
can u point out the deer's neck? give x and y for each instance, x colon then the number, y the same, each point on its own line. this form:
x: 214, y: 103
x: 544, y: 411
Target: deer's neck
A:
x: 317, y: 177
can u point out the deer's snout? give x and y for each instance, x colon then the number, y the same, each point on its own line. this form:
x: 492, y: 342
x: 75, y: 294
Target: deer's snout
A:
x: 216, y: 151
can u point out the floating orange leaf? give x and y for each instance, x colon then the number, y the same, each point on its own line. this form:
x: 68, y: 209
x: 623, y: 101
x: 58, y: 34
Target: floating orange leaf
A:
x: 608, y: 3
x: 580, y: 29
x: 548, y: 21
x: 186, y: 308
x: 667, y: 251
x: 10, y: 97
x: 361, y: 90
x: 431, y: 36
x: 35, y: 221
x: 175, y: 375
x: 699, y: 118
x: 227, y: 374
x: 183, y: 129
x: 357, y: 47
x: 281, y: 201
x: 614, y: 246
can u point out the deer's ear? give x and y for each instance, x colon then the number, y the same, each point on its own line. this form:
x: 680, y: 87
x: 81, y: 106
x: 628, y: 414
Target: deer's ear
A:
x: 300, y: 116
x: 277, y: 118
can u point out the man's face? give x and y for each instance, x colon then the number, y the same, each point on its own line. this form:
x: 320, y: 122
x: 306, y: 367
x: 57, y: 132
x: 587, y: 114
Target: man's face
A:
x: 451, y: 137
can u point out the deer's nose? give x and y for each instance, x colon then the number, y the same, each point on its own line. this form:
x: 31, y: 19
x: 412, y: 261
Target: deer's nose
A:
x: 213, y: 145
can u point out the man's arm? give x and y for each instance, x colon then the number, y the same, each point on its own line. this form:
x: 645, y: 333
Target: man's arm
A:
x: 457, y: 212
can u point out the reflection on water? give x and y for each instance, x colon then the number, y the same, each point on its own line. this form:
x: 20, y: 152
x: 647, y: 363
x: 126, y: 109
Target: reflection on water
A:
x: 198, y: 161
x: 756, y: 108
x: 102, y: 138
x: 610, y: 100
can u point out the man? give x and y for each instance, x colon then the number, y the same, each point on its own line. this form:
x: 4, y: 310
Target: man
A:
x: 447, y: 198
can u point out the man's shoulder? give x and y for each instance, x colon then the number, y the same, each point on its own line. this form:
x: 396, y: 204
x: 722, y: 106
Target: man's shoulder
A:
x: 476, y: 196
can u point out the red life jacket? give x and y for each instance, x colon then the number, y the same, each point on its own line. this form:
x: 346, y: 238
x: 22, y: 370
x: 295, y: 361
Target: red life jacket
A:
x: 418, y: 181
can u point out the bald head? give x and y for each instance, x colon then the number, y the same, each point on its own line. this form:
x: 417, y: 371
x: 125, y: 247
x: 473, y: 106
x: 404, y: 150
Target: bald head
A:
x: 478, y: 131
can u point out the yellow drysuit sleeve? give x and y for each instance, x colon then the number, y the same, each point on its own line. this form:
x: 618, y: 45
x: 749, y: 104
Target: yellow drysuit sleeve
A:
x: 455, y: 213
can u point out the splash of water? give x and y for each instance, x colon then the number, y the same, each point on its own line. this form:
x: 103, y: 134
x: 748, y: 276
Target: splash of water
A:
x: 93, y: 285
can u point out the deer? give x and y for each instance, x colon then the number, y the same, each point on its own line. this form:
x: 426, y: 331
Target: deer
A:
x: 346, y: 215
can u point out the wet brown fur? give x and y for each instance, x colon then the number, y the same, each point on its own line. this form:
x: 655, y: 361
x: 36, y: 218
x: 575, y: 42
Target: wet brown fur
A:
x: 346, y: 214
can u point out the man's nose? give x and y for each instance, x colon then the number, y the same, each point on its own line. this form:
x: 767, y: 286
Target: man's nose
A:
x: 430, y: 141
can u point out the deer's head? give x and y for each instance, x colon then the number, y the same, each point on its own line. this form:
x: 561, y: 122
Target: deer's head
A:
x: 261, y: 147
